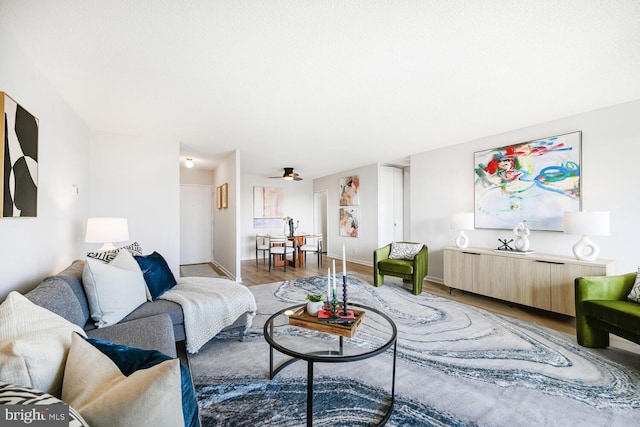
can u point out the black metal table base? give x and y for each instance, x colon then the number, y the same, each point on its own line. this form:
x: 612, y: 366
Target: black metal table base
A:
x: 310, y: 361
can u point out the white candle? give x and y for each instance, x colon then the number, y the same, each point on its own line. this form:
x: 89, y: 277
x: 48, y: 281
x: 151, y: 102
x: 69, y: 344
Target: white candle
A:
x: 328, y: 284
x: 344, y: 262
x: 334, y: 272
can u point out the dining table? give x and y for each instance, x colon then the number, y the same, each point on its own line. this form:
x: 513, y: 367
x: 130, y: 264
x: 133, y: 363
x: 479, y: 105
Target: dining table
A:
x: 298, y: 240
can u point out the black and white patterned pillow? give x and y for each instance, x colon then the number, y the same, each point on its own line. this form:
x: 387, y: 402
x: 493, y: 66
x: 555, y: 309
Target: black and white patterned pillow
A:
x: 108, y: 256
x: 19, y: 395
x: 634, y: 295
x: 404, y: 250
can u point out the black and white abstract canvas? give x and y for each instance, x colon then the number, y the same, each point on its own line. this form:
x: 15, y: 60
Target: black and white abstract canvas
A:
x: 19, y: 160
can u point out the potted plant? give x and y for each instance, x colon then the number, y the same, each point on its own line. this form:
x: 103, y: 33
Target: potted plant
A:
x: 314, y: 303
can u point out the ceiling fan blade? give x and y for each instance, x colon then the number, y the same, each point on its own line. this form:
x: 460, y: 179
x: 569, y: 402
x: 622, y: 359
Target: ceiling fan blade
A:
x: 288, y: 174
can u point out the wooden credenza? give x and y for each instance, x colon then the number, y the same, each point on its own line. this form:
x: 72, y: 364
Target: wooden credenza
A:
x: 538, y: 280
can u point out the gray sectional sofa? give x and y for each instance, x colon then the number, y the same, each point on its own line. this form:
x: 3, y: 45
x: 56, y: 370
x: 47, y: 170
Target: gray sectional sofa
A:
x: 156, y: 325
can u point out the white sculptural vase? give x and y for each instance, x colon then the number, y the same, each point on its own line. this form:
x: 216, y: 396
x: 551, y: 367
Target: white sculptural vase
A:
x: 462, y: 241
x: 585, y: 249
x: 522, y: 237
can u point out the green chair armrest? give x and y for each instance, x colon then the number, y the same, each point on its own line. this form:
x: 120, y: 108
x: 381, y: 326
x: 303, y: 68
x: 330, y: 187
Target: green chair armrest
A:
x: 610, y: 288
x: 379, y: 255
x: 421, y: 263
x: 420, y: 269
x: 382, y: 253
x: 422, y: 257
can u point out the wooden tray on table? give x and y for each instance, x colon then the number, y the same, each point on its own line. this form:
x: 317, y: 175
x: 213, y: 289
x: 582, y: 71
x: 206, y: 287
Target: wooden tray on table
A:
x: 304, y: 320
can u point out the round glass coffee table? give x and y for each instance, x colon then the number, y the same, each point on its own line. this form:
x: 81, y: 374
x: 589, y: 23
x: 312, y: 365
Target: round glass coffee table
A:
x: 375, y: 335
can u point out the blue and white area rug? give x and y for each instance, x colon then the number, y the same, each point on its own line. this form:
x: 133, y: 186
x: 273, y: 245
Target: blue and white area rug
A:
x: 456, y: 366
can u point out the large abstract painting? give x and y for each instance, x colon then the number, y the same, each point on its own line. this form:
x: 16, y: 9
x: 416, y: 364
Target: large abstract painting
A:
x: 532, y: 182
x: 18, y: 160
x: 350, y: 191
x: 268, y: 207
x: 349, y: 219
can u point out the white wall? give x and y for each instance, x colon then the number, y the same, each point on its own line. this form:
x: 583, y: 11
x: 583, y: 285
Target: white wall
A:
x: 358, y: 249
x: 443, y: 184
x: 226, y: 234
x: 33, y: 248
x: 298, y: 204
x: 138, y: 178
x: 195, y: 176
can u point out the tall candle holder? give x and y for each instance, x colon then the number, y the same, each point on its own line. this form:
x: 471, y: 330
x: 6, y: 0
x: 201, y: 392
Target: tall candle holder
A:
x: 334, y: 309
x: 344, y: 295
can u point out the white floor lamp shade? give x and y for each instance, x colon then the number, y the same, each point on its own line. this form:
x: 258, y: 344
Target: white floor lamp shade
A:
x: 462, y: 221
x: 106, y: 231
x: 586, y: 223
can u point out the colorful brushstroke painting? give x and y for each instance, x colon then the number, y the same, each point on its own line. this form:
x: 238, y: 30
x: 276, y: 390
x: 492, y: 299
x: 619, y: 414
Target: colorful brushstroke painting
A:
x: 349, y: 219
x: 533, y: 182
x: 268, y: 207
x: 350, y: 191
x: 18, y: 160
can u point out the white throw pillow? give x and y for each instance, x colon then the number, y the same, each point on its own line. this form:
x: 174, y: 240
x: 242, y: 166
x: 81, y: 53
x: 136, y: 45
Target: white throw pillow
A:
x: 33, y: 344
x: 634, y: 295
x: 114, y: 289
x: 98, y: 390
x: 108, y: 256
x: 404, y: 250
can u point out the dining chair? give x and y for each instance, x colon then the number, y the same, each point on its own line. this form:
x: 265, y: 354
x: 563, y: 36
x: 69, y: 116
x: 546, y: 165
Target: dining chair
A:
x: 312, y: 243
x: 278, y: 247
x: 262, y: 245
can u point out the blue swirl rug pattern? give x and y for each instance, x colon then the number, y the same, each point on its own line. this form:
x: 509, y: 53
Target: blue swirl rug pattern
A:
x: 457, y: 366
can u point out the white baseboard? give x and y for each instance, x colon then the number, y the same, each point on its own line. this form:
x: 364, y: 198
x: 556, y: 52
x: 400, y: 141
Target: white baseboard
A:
x: 225, y: 271
x: 437, y: 280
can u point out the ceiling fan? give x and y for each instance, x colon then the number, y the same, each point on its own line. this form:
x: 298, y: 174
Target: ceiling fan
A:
x: 289, y: 175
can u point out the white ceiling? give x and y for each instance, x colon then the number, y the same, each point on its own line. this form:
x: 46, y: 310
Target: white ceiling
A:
x: 324, y: 86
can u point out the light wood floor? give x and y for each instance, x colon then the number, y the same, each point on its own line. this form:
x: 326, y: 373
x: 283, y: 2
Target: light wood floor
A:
x: 257, y: 275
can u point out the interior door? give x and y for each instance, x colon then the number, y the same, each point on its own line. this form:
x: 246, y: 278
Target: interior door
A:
x: 196, y: 231
x: 390, y: 205
x: 320, y: 216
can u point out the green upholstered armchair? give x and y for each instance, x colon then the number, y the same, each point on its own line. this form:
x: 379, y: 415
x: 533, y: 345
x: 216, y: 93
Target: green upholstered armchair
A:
x: 602, y: 308
x: 409, y: 270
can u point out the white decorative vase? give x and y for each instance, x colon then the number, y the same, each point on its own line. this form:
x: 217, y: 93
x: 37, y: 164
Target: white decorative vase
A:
x: 314, y: 307
x: 522, y: 237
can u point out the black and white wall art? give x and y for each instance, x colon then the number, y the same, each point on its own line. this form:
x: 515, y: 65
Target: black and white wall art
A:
x: 18, y: 160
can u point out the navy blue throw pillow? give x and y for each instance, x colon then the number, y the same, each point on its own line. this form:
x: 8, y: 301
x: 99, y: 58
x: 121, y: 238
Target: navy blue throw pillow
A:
x: 130, y: 359
x: 157, y: 274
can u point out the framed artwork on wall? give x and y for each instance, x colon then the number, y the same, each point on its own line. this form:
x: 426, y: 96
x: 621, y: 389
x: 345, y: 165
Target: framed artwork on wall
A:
x: 350, y: 191
x: 219, y: 196
x: 533, y: 182
x: 349, y: 220
x: 268, y: 207
x: 18, y: 160
x: 224, y: 195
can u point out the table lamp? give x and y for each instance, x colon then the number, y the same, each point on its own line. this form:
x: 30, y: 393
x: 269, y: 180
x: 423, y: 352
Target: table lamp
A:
x: 593, y: 223
x: 462, y: 221
x: 106, y: 231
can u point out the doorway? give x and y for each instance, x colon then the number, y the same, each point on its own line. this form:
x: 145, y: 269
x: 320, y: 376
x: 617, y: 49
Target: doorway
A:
x: 320, y: 213
x: 196, y: 224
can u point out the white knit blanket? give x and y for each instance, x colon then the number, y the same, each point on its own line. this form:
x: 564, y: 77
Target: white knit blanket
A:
x: 209, y: 305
